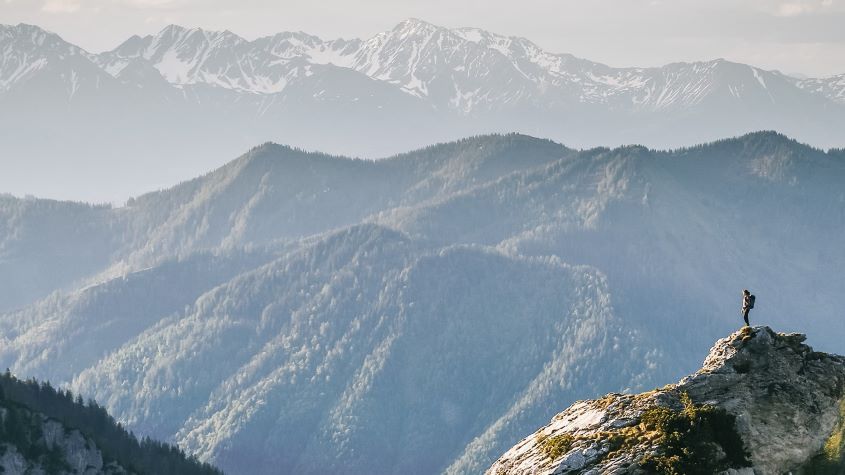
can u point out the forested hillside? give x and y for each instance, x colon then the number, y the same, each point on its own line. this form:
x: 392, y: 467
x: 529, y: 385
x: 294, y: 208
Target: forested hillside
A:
x: 42, y: 428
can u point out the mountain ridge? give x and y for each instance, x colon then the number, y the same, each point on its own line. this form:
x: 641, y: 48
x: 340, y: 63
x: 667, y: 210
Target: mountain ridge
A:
x: 205, y: 96
x: 406, y: 31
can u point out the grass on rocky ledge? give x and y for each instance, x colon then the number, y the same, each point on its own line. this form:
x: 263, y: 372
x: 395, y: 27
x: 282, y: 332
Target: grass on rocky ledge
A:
x: 554, y: 447
x: 699, y: 439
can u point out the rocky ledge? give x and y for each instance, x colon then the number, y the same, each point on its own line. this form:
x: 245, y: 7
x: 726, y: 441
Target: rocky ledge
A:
x: 763, y: 403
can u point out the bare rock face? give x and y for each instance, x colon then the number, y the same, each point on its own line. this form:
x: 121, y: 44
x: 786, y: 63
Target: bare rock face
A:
x: 763, y: 403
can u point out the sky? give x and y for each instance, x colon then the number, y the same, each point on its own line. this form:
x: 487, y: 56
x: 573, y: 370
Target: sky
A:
x: 800, y: 37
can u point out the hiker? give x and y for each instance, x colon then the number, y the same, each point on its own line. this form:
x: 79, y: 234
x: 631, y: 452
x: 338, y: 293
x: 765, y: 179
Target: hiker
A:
x: 747, y: 304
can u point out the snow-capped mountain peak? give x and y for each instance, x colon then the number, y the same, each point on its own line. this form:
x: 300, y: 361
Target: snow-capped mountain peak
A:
x: 26, y: 49
x: 37, y: 37
x: 44, y: 67
x: 185, y: 56
x: 416, y: 25
x: 500, y: 43
x: 223, y: 59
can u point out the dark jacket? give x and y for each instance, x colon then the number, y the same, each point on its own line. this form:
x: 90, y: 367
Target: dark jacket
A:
x: 747, y: 302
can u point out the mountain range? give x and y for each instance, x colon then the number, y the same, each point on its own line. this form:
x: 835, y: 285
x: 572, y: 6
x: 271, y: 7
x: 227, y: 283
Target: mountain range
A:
x: 307, y: 313
x: 123, y: 116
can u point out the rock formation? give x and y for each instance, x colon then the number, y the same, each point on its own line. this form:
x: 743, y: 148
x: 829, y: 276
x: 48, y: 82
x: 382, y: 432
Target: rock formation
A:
x: 44, y: 431
x: 763, y: 403
x: 59, y: 450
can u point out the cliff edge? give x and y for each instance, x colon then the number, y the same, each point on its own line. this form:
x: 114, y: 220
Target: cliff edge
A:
x: 762, y: 403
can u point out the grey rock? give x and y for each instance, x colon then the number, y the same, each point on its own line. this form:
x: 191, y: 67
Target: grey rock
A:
x: 785, y: 397
x: 79, y: 453
x: 575, y: 460
x: 624, y: 422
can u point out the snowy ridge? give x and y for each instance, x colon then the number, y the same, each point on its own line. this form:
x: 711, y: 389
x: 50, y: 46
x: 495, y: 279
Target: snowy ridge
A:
x: 27, y: 49
x: 464, y: 69
x: 832, y: 87
x: 225, y: 60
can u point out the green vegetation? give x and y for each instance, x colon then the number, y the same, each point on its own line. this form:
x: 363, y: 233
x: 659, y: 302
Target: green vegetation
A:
x: 24, y: 430
x: 26, y: 405
x: 697, y: 440
x: 554, y: 447
x: 690, y: 440
x: 831, y: 460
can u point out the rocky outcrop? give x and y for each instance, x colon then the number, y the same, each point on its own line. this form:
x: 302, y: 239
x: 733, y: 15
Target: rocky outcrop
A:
x: 47, y: 431
x: 763, y: 403
x: 57, y: 450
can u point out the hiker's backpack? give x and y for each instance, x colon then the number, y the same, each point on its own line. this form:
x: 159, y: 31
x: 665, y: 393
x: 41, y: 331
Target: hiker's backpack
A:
x: 751, y: 299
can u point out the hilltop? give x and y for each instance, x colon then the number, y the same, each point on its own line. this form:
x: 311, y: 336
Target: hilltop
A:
x: 762, y: 403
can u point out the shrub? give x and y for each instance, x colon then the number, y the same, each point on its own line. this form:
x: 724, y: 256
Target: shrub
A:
x: 690, y: 440
x: 554, y: 447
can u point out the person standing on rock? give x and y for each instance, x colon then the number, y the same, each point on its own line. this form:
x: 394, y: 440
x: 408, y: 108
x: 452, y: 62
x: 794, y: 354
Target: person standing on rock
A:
x: 747, y: 305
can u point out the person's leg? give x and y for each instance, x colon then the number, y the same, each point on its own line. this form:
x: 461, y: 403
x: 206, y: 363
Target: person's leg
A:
x: 745, y: 316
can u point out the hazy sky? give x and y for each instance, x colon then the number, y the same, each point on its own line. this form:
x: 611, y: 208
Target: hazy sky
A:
x: 793, y: 36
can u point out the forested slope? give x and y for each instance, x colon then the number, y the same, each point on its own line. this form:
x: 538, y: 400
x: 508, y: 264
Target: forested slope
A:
x: 42, y: 428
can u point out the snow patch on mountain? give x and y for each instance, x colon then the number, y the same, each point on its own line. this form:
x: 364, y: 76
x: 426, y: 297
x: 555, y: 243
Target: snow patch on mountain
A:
x: 832, y: 87
x: 27, y: 49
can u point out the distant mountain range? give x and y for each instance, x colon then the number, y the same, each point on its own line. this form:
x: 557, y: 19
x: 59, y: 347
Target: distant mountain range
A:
x: 162, y: 108
x: 305, y: 313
